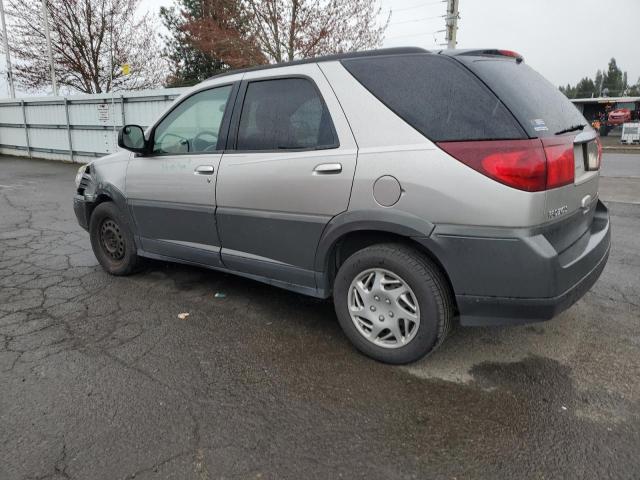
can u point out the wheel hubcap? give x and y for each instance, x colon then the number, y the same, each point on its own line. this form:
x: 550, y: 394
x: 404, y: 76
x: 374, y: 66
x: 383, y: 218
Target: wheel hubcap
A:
x: 112, y: 240
x: 383, y: 308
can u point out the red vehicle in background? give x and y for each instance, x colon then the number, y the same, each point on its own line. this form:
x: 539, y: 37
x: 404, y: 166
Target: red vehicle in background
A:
x: 619, y: 116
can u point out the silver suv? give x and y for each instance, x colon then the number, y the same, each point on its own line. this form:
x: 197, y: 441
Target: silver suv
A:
x: 415, y: 187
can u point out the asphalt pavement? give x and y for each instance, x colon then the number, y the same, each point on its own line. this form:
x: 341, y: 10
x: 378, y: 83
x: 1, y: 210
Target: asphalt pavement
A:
x: 100, y: 379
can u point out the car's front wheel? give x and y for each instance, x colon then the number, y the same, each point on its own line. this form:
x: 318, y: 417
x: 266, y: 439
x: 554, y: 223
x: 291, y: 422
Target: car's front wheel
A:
x: 393, y: 303
x: 112, y: 240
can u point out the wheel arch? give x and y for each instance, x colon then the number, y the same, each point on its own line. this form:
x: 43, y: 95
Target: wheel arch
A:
x: 106, y: 192
x: 350, y: 232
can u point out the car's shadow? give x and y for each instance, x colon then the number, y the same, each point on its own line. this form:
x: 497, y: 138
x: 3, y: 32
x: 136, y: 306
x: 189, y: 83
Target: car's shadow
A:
x: 306, y: 316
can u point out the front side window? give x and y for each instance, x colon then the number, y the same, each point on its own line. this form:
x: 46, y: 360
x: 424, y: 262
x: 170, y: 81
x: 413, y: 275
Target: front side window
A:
x: 284, y: 114
x: 194, y: 125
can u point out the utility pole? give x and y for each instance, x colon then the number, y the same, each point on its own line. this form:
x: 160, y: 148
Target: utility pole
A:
x: 452, y: 23
x: 45, y: 18
x: 12, y: 91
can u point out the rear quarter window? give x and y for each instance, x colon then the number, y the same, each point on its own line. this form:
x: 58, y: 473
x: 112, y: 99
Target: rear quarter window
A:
x: 437, y: 96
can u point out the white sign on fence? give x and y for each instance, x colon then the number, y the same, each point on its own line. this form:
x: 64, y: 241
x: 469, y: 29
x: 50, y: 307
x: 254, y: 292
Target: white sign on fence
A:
x: 103, y: 112
x: 630, y: 133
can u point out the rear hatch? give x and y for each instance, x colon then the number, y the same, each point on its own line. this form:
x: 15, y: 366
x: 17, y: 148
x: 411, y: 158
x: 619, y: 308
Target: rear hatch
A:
x: 545, y: 113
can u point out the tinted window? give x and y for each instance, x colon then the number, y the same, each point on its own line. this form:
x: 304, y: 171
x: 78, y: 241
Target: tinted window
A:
x: 284, y: 114
x: 194, y: 125
x: 538, y: 105
x: 437, y: 96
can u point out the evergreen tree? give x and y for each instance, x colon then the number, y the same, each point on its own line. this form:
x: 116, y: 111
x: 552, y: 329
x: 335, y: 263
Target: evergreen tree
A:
x: 585, y: 88
x: 189, y: 65
x: 599, y: 81
x: 612, y: 82
x: 206, y: 37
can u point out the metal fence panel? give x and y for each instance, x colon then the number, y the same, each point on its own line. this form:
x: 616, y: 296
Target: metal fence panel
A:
x: 44, y: 114
x: 76, y: 128
x: 11, y: 113
x: 12, y: 136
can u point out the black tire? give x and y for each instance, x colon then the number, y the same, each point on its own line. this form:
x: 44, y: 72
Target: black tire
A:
x: 423, y: 277
x: 112, y: 240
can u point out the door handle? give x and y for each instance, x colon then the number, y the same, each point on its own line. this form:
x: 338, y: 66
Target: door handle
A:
x: 204, y: 170
x: 328, y: 168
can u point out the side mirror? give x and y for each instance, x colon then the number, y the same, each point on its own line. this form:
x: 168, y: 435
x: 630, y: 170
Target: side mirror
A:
x: 131, y: 137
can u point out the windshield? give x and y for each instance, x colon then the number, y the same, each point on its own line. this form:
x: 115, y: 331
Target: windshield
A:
x: 539, y: 106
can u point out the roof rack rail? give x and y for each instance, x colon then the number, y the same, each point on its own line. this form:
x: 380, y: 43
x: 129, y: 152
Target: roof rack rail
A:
x: 328, y: 58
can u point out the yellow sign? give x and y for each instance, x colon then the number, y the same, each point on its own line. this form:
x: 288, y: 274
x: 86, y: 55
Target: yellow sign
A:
x: 126, y: 69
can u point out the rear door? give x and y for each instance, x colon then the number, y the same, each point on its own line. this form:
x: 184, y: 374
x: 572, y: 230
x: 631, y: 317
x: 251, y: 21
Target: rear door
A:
x: 287, y: 171
x: 171, y: 192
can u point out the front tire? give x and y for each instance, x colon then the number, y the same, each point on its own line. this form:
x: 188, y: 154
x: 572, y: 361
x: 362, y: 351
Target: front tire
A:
x: 393, y: 303
x: 112, y: 240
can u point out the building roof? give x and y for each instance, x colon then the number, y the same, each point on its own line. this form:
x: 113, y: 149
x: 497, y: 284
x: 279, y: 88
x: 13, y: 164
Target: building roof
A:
x: 605, y: 99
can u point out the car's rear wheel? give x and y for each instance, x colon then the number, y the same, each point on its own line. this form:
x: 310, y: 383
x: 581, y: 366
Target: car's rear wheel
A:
x: 393, y: 303
x: 112, y: 240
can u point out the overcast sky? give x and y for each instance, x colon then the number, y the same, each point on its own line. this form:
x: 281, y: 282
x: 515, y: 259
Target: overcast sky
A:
x: 565, y: 40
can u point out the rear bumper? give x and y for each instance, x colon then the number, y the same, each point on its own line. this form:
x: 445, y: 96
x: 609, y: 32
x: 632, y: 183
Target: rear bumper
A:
x: 509, y: 277
x: 484, y: 311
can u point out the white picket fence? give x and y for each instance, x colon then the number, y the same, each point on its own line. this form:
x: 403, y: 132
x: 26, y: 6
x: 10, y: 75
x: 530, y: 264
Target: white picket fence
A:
x: 76, y: 128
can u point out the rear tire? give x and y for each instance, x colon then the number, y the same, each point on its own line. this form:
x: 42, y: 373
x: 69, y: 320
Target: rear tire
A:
x: 393, y: 303
x: 112, y: 240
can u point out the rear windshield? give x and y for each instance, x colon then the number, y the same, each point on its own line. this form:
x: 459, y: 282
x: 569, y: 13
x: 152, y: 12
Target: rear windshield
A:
x: 437, y: 96
x: 537, y: 104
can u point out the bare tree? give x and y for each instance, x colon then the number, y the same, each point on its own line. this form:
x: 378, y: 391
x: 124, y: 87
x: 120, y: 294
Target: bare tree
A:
x: 290, y: 29
x: 91, y: 40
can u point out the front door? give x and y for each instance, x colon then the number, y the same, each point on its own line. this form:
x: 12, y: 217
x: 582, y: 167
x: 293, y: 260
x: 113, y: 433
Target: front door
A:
x: 288, y: 172
x: 171, y: 192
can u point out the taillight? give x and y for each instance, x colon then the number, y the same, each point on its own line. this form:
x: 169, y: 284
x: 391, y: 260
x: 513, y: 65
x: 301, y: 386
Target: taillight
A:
x: 510, y: 53
x: 529, y: 165
x: 599, y: 161
x: 519, y: 164
x: 560, y: 160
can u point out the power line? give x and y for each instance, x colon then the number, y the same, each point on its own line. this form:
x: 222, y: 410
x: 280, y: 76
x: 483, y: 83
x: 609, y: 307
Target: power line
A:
x: 418, y: 20
x: 416, y: 34
x: 418, y: 6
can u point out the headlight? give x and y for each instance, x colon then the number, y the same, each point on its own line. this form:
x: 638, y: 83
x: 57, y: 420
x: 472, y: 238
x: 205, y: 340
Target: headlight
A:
x: 81, y: 171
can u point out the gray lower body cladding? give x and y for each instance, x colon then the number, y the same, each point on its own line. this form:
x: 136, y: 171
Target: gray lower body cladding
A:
x: 499, y: 276
x: 516, y: 276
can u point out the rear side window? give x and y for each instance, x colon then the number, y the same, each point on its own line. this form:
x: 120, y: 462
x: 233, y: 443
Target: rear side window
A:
x: 437, y: 96
x: 537, y: 104
x: 284, y: 114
